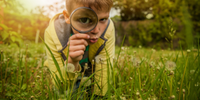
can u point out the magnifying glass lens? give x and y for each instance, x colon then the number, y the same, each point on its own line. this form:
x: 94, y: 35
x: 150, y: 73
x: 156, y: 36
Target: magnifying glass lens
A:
x: 83, y: 19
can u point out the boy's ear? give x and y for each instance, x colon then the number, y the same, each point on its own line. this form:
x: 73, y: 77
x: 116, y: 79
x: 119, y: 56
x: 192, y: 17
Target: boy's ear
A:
x: 67, y: 16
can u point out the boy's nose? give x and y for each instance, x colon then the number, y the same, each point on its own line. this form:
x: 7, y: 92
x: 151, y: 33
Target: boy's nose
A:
x: 95, y: 30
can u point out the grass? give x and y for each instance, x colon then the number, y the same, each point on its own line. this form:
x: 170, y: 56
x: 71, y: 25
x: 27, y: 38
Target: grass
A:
x: 138, y: 73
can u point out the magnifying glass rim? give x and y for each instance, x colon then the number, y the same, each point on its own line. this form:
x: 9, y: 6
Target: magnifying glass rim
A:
x: 75, y: 11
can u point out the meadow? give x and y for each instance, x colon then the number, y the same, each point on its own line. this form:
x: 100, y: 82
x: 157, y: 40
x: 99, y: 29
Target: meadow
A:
x: 137, y: 74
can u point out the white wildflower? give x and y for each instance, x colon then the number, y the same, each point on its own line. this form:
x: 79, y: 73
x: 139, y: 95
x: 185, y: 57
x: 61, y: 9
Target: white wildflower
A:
x: 70, y: 67
x: 136, y: 62
x: 170, y: 65
x: 188, y: 51
x: 160, y: 64
x: 158, y: 68
x: 152, y: 64
x: 149, y: 16
x: 171, y: 73
x: 172, y: 97
x: 153, y: 50
x: 122, y: 98
x: 192, y: 71
x: 100, y: 59
x: 137, y: 93
x: 184, y: 91
x: 85, y: 79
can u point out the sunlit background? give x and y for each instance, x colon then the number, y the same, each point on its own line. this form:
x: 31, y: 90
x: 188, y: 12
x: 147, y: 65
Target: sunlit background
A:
x: 32, y: 4
x: 144, y: 22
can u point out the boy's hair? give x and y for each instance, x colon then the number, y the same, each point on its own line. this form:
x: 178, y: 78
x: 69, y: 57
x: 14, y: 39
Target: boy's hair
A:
x: 103, y: 5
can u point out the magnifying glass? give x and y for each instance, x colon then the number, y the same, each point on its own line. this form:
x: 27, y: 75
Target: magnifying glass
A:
x: 83, y: 19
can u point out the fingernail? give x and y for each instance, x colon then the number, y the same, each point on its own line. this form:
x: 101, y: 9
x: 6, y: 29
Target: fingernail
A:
x: 88, y: 36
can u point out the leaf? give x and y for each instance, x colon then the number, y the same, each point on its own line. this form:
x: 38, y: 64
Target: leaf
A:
x: 9, y: 94
x: 5, y: 35
x: 12, y: 38
x: 24, y: 86
x: 4, y: 27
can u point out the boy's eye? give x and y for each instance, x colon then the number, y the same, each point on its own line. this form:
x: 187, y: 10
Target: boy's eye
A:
x: 104, y: 19
x: 85, y: 20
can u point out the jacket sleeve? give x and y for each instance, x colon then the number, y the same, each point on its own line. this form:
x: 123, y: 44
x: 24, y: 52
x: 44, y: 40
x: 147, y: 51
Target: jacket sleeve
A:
x: 101, y: 67
x: 51, y: 44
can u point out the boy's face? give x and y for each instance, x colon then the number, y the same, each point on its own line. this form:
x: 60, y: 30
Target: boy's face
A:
x: 100, y: 27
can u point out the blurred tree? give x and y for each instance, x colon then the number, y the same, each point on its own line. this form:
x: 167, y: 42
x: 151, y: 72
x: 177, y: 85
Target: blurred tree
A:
x: 193, y: 7
x: 133, y: 9
x: 7, y: 34
x: 26, y: 24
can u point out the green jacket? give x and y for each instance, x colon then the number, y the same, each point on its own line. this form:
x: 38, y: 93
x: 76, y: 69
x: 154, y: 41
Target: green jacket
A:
x: 56, y: 37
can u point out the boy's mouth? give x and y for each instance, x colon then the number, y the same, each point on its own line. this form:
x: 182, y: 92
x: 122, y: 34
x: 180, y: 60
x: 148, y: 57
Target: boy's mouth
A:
x: 93, y: 40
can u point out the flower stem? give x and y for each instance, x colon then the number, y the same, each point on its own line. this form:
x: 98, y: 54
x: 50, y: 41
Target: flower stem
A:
x: 171, y: 85
x: 183, y: 79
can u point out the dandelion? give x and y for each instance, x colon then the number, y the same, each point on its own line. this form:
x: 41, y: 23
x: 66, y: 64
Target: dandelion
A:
x: 99, y: 59
x: 32, y: 97
x: 188, y: 51
x: 84, y: 79
x: 184, y: 91
x: 192, y: 71
x: 134, y: 52
x: 153, y: 50
x: 136, y: 62
x: 170, y: 65
x: 160, y: 64
x: 149, y: 16
x: 154, y: 98
x: 122, y: 98
x: 122, y: 48
x: 152, y: 64
x: 70, y: 67
x: 112, y: 97
x: 197, y: 84
x: 38, y: 76
x: 93, y: 61
x: 86, y: 66
x: 132, y: 9
x: 171, y: 73
x: 137, y: 93
x: 144, y: 59
x: 126, y: 69
x: 158, y: 68
x: 142, y: 90
x: 172, y: 97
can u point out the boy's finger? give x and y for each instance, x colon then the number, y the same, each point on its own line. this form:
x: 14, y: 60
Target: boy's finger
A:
x: 76, y: 54
x: 78, y: 42
x: 77, y: 48
x: 79, y: 36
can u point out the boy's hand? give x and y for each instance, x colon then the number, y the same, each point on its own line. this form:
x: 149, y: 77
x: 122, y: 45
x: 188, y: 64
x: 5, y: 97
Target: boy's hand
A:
x: 77, y: 47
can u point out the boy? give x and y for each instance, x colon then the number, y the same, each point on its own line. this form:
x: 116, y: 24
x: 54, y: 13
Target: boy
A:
x: 83, y: 47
